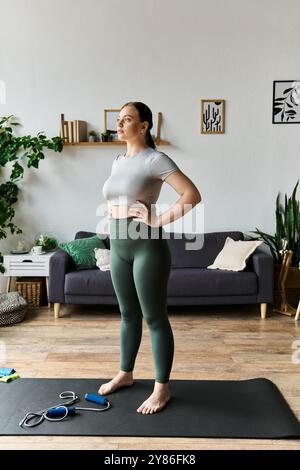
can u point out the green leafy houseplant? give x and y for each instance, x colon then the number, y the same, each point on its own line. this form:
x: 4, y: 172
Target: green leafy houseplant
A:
x: 12, y: 149
x: 93, y: 136
x: 47, y: 243
x: 106, y: 136
x: 287, y: 234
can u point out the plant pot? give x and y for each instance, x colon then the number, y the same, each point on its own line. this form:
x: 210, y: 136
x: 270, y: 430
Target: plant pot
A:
x: 104, y: 138
x: 292, y: 285
x: 91, y: 138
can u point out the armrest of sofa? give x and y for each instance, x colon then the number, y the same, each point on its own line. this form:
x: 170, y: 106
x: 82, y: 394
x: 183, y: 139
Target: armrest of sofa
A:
x: 263, y: 266
x: 59, y: 265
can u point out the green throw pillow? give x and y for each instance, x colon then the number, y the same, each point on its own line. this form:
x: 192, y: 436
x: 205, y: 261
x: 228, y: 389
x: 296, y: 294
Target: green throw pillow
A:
x: 82, y: 251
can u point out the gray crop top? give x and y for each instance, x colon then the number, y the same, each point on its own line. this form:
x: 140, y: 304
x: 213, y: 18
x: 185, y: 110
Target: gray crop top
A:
x: 138, y: 177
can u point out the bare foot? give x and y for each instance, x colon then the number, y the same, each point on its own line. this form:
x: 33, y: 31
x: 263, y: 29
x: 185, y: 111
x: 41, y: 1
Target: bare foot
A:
x: 157, y: 400
x: 122, y: 379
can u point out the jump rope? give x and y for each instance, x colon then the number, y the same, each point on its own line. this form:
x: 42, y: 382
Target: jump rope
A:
x: 63, y: 410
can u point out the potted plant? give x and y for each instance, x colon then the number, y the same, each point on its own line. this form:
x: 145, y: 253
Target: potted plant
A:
x: 287, y: 237
x: 47, y: 242
x: 14, y: 149
x: 93, y: 136
x: 105, y: 136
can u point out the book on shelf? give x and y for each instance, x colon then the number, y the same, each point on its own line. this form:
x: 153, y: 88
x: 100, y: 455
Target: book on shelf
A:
x: 75, y: 134
x: 73, y: 131
x: 66, y: 132
x: 81, y: 131
x: 70, y: 129
x: 61, y: 131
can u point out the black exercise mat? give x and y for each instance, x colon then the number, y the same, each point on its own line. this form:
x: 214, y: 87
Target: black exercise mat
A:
x: 251, y: 408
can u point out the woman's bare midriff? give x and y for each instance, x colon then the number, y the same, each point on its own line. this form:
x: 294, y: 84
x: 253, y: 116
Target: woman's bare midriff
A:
x: 119, y: 212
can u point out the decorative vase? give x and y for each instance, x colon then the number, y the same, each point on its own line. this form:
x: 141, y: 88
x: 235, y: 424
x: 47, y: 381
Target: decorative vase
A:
x: 19, y: 244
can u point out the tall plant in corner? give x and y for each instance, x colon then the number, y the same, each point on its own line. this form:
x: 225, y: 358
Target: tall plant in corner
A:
x: 287, y: 234
x: 12, y: 149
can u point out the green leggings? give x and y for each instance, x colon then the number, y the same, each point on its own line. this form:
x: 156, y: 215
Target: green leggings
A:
x: 140, y: 262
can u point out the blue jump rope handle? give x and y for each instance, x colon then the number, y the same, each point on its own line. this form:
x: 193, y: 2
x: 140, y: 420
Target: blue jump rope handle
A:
x: 95, y: 398
x: 60, y: 411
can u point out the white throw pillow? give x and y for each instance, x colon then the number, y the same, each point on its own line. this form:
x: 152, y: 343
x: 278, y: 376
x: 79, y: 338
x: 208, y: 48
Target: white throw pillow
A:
x: 234, y: 254
x: 102, y: 256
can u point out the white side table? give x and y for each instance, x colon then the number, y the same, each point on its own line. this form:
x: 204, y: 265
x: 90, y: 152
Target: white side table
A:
x: 27, y: 265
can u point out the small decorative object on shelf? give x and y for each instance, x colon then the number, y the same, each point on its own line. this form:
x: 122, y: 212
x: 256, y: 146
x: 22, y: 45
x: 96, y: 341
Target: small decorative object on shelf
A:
x: 106, y: 136
x: 20, y: 245
x: 46, y: 241
x: 36, y: 250
x: 93, y: 136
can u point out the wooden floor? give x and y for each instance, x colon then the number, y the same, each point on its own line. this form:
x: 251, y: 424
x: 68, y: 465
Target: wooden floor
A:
x: 210, y: 343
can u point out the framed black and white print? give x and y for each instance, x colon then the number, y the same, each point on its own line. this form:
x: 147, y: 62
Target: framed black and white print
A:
x: 286, y: 100
x: 212, y: 116
x: 110, y: 120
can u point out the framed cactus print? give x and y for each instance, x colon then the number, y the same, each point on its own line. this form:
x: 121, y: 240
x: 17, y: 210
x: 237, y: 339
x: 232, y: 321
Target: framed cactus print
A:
x: 212, y: 116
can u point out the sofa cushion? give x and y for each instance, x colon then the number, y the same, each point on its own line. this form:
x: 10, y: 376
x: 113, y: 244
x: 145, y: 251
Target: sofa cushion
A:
x: 84, y: 234
x: 234, y: 254
x: 208, y: 246
x: 89, y: 282
x: 82, y: 251
x: 102, y: 256
x: 205, y: 282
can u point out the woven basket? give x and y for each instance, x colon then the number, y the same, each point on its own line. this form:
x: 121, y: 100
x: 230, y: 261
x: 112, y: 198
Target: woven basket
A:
x: 13, y: 308
x: 31, y: 289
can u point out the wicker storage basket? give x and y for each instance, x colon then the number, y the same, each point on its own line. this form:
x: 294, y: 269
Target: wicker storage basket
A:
x: 31, y: 289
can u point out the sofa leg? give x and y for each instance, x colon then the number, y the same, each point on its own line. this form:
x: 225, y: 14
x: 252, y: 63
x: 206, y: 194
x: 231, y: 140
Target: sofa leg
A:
x: 263, y: 310
x: 56, y: 310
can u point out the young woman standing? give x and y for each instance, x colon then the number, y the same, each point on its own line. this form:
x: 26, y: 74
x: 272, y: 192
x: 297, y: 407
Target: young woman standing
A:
x: 140, y: 266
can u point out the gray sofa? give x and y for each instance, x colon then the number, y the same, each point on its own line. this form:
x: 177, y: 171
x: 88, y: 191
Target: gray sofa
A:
x: 190, y: 283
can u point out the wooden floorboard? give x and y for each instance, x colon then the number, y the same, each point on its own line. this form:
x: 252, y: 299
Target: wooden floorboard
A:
x: 215, y: 343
